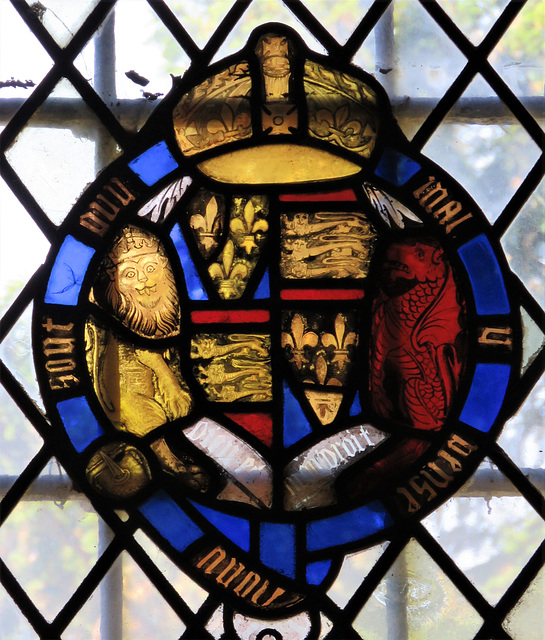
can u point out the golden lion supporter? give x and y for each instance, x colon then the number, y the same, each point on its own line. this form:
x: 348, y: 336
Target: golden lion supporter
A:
x: 139, y: 388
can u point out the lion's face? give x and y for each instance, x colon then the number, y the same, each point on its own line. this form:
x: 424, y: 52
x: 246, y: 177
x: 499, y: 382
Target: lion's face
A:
x: 142, y: 279
x: 136, y: 283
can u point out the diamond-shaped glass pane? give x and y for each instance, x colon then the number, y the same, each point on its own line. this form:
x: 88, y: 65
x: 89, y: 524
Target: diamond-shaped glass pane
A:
x: 19, y: 441
x: 490, y: 161
x: 14, y: 624
x: 354, y: 569
x: 523, y: 436
x: 50, y: 540
x: 144, y: 609
x: 519, y: 57
x: 151, y: 64
x: 17, y: 229
x: 474, y: 19
x: 339, y: 18
x: 87, y: 622
x: 68, y: 145
x: 424, y: 61
x: 524, y: 244
x: 376, y: 54
x: 417, y: 600
x: 62, y: 18
x: 16, y: 353
x: 365, y: 56
x: 23, y: 61
x: 492, y: 537
x: 187, y: 588
x: 296, y: 627
x: 200, y: 19
x: 259, y: 12
x: 526, y: 621
x: 102, y: 615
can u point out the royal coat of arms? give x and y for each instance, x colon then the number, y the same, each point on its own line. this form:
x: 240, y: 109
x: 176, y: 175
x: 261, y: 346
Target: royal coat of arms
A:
x: 274, y: 332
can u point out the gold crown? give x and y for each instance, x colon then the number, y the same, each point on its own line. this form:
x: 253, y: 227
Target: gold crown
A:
x: 133, y: 242
x: 277, y: 116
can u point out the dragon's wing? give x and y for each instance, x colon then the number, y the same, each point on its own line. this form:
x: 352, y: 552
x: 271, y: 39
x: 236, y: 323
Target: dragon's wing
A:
x: 440, y: 324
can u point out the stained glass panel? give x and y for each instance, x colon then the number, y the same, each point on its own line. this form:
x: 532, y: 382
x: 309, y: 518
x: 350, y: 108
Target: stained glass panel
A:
x: 258, y: 461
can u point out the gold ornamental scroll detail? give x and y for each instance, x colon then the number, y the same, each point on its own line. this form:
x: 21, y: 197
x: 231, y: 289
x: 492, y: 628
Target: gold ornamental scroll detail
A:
x: 233, y: 366
x: 215, y: 112
x: 342, y: 110
x: 279, y: 112
x: 326, y: 245
x: 247, y: 232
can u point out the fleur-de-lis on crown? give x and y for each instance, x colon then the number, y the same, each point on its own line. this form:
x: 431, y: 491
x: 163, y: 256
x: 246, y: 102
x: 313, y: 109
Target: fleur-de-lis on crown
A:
x: 229, y: 124
x: 208, y: 226
x: 231, y: 275
x: 337, y: 126
x: 298, y: 339
x: 341, y: 341
x: 246, y: 227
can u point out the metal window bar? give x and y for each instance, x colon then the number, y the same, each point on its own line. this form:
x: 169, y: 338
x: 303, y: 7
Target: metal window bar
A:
x: 133, y: 113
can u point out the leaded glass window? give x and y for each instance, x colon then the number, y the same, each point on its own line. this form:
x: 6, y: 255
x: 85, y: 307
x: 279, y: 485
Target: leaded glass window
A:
x: 278, y: 374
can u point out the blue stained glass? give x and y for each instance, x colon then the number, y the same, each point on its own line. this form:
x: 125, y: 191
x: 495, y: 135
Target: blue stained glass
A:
x: 195, y: 290
x: 347, y: 527
x: 296, y: 425
x: 317, y: 571
x: 396, y: 167
x: 170, y: 521
x: 236, y: 529
x: 486, y: 395
x: 355, y: 409
x: 485, y: 276
x: 154, y: 164
x: 277, y: 547
x: 80, y: 423
x: 263, y: 290
x: 68, y: 272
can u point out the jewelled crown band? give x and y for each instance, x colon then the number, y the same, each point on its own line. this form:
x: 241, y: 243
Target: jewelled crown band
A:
x: 248, y: 124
